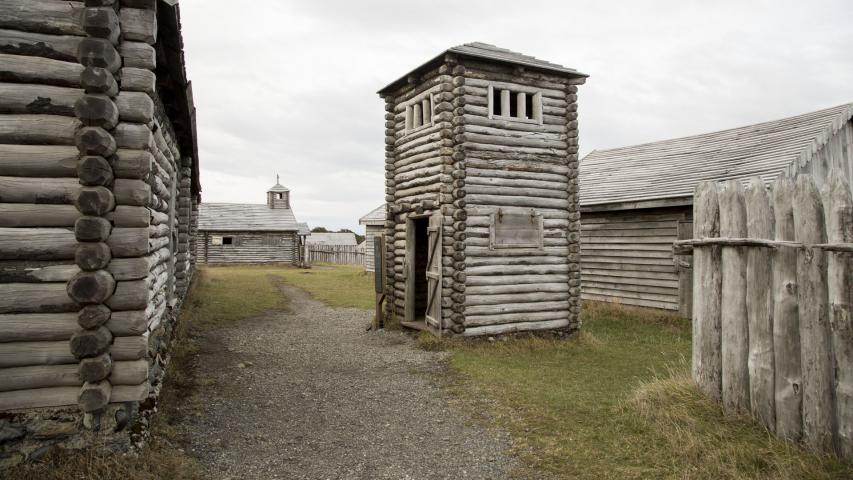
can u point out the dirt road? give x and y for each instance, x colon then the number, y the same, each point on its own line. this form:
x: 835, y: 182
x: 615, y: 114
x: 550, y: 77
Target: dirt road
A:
x: 308, y: 394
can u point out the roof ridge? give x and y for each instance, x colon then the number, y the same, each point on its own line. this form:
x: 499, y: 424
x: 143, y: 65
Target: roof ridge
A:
x: 848, y: 106
x: 842, y: 117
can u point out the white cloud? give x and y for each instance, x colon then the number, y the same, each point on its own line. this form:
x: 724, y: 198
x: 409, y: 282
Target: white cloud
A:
x: 289, y: 87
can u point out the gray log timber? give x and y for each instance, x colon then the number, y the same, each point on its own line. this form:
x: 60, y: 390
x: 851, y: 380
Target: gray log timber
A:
x: 38, y: 129
x: 39, y: 45
x: 46, y: 16
x: 839, y: 226
x: 38, y: 160
x: 707, y: 286
x: 45, y: 376
x: 786, y: 325
x: 37, y: 243
x: 39, y: 398
x: 35, y: 327
x: 138, y: 55
x: 735, y: 327
x: 94, y: 395
x: 759, y: 296
x: 26, y: 69
x: 815, y: 333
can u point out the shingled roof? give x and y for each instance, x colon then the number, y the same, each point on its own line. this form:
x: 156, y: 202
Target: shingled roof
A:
x: 375, y: 217
x: 485, y: 51
x: 234, y: 217
x: 672, y: 168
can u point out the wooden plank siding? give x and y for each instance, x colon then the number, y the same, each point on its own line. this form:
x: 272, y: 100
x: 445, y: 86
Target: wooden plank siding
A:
x: 371, y: 233
x: 248, y: 247
x: 626, y: 256
x: 632, y: 198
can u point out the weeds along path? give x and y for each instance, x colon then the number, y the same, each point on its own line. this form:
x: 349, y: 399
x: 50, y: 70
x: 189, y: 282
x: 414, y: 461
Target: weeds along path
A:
x: 305, y: 393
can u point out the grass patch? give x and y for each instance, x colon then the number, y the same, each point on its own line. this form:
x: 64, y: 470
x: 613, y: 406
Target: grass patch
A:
x: 229, y: 293
x: 335, y: 285
x: 616, y: 401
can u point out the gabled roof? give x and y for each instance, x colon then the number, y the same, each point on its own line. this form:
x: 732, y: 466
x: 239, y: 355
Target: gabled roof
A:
x: 303, y: 229
x: 234, y: 217
x: 375, y: 217
x: 672, y: 168
x: 485, y: 51
x: 332, y: 238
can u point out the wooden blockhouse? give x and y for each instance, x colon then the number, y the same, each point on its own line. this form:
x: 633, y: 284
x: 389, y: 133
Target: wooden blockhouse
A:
x: 374, y: 225
x: 482, y: 226
x: 98, y: 192
x: 251, y: 233
x: 637, y: 200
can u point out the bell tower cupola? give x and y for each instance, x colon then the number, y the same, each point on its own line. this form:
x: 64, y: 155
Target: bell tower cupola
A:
x: 278, y: 196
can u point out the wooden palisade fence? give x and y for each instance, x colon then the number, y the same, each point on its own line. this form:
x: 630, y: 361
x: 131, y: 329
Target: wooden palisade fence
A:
x: 337, y: 254
x: 772, y: 325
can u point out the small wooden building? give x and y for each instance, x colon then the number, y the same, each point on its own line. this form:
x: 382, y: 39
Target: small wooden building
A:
x: 482, y: 229
x: 251, y: 233
x: 637, y: 200
x: 374, y: 225
x: 98, y: 192
x: 343, y: 239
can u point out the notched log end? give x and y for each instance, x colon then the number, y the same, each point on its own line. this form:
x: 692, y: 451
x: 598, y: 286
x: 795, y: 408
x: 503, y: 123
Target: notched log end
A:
x: 93, y: 316
x: 94, y: 396
x: 91, y: 287
x: 92, y: 257
x: 91, y: 343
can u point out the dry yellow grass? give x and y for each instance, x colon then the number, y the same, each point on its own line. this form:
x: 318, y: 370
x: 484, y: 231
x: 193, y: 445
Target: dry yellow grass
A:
x: 617, y: 402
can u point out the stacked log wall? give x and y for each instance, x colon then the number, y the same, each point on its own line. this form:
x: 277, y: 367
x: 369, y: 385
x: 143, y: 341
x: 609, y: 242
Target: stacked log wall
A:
x: 511, y: 165
x: 417, y: 163
x: 464, y: 167
x: 249, y: 247
x: 89, y: 176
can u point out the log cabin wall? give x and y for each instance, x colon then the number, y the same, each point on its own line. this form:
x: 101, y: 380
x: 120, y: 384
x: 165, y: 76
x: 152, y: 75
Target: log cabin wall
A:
x: 92, y: 177
x: 447, y: 158
x: 249, y: 247
x: 417, y: 166
x: 516, y: 166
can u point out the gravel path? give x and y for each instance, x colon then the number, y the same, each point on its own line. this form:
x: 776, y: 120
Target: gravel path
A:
x: 308, y: 394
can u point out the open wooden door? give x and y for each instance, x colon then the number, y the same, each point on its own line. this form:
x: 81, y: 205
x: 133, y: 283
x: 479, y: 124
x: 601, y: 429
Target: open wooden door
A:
x: 433, y: 273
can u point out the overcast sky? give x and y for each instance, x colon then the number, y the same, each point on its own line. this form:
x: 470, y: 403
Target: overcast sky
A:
x: 289, y: 87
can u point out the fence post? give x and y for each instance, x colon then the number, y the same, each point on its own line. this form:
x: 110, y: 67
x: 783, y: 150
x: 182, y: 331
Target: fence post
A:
x: 815, y: 335
x: 759, y: 297
x: 786, y: 319
x: 735, y: 330
x: 839, y: 227
x: 706, y: 293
